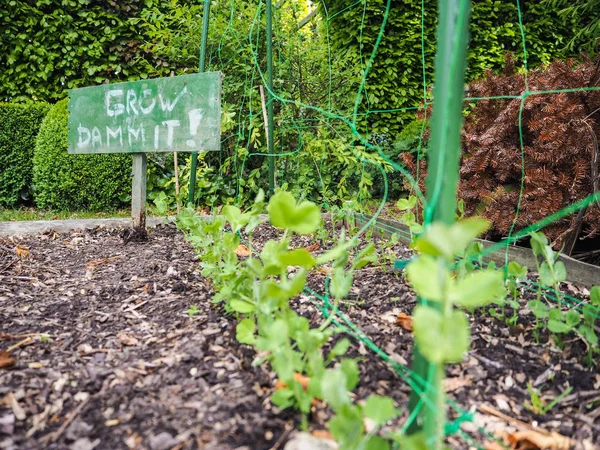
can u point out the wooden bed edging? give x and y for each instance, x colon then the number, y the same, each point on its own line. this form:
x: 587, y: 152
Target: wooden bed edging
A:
x: 578, y: 272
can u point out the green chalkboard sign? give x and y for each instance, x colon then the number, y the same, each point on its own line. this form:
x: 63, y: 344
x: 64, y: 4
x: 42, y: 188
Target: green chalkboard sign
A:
x: 176, y: 114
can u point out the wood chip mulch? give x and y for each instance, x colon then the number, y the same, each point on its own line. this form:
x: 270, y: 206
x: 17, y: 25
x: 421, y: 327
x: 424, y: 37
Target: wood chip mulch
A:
x: 97, y: 351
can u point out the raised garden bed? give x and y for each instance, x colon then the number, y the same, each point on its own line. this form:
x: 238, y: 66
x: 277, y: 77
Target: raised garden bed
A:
x: 107, y: 356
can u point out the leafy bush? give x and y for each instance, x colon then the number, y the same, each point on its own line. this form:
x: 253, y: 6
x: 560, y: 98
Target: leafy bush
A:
x: 19, y: 125
x: 47, y: 46
x: 64, y: 181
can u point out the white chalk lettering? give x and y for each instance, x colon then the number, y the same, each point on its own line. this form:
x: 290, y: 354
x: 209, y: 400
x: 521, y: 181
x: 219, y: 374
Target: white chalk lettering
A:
x: 136, y: 134
x: 83, y: 131
x: 195, y: 116
x: 117, y: 108
x: 131, y: 99
x: 156, y: 131
x: 166, y: 105
x: 96, y: 137
x: 114, y: 134
x: 170, y: 124
x: 148, y: 109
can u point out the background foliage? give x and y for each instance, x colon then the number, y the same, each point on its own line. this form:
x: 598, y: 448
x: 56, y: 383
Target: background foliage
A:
x: 63, y: 181
x: 48, y: 46
x: 395, y: 80
x: 19, y: 126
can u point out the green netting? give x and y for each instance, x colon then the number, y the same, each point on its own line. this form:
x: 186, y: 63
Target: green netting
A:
x: 296, y: 120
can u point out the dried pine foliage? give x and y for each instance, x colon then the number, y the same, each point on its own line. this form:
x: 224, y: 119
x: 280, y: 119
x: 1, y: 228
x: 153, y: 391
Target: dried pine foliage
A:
x: 558, y: 141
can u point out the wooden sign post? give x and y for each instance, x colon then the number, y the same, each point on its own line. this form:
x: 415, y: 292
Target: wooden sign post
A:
x: 175, y: 114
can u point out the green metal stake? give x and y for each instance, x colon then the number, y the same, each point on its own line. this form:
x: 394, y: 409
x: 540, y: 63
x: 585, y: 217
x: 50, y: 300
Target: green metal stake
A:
x: 204, y: 39
x: 442, y: 181
x: 269, y: 37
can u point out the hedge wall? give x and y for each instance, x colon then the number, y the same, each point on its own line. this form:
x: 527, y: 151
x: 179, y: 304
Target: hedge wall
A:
x: 47, y: 46
x: 19, y: 126
x: 396, y: 77
x: 72, y: 182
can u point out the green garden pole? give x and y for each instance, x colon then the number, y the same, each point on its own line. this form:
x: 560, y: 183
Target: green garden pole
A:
x: 270, y: 96
x: 204, y: 39
x: 442, y: 181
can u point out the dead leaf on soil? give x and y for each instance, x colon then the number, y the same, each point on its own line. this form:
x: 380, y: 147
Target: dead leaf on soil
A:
x: 22, y: 252
x: 532, y: 440
x: 242, y: 250
x: 127, y: 340
x: 6, y: 360
x: 322, y: 434
x: 99, y: 262
x: 312, y: 248
x: 455, y: 383
x: 405, y: 321
x: 302, y: 379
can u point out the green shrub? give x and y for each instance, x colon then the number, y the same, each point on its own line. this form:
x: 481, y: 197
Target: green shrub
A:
x: 73, y: 182
x: 19, y: 125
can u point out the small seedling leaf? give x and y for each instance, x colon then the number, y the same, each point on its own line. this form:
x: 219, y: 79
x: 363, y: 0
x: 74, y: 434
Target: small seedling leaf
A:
x: 441, y: 340
x: 244, y: 331
x: 478, y: 289
x: 427, y: 275
x: 572, y: 318
x: 380, y: 409
x: 558, y: 327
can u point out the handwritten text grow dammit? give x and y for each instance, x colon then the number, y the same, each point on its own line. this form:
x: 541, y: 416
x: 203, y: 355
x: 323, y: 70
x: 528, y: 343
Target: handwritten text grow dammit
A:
x: 168, y: 114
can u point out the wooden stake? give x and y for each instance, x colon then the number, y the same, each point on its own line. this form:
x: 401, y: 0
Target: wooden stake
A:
x: 265, y: 117
x: 138, y: 192
x: 176, y: 179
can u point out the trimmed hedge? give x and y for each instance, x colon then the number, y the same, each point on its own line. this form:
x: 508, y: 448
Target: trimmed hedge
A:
x: 19, y: 126
x: 73, y: 182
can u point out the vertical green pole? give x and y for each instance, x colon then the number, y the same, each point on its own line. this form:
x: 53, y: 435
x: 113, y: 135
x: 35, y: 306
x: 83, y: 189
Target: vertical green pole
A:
x: 442, y: 181
x: 270, y: 96
x: 204, y: 39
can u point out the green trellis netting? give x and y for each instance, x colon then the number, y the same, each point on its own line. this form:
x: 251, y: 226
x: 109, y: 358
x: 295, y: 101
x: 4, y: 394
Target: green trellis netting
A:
x: 265, y: 101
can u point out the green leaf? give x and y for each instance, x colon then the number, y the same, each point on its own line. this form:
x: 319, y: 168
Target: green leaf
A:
x: 297, y: 257
x: 572, y: 318
x: 406, y: 203
x: 427, y: 276
x: 449, y: 241
x: 441, y: 340
x: 283, y: 398
x: 242, y: 306
x: 364, y: 257
x: 560, y: 272
x: 302, y: 218
x: 558, y: 327
x: 340, y: 348
x: 333, y: 388
x: 341, y: 282
x: 377, y: 443
x: 546, y: 275
x: 538, y: 308
x: 417, y: 441
x: 516, y: 270
x: 556, y: 314
x: 477, y: 289
x: 244, y: 331
x: 538, y: 242
x: 588, y: 334
x: 295, y: 284
x: 350, y: 369
x: 380, y: 409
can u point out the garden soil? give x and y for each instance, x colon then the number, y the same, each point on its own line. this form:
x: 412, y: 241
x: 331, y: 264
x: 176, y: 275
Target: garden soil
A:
x: 99, y: 349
